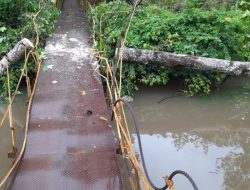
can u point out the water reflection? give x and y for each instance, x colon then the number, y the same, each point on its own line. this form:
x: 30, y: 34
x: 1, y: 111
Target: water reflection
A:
x: 209, y: 137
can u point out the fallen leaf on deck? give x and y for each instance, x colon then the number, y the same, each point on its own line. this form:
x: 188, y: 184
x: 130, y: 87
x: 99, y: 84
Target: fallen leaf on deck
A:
x: 103, y: 118
x: 83, y: 93
x: 45, y: 68
x: 50, y: 66
x: 54, y: 82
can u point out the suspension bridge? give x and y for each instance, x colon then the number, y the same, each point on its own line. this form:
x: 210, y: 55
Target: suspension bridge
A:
x: 69, y: 142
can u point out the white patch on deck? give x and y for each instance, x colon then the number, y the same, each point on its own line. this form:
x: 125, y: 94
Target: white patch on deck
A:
x: 73, y: 48
x: 77, y: 51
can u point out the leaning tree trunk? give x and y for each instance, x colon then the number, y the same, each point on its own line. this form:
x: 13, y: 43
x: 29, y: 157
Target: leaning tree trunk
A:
x: 15, y: 54
x: 174, y: 60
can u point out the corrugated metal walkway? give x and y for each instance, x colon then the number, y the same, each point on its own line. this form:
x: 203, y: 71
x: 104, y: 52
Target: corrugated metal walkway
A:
x: 69, y: 146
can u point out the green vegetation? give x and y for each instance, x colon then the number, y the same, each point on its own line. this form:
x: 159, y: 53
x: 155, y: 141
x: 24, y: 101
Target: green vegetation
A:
x: 16, y: 23
x: 199, y: 28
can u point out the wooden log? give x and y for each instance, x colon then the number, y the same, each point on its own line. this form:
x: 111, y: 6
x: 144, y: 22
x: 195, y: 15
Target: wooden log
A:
x: 15, y: 54
x: 174, y: 60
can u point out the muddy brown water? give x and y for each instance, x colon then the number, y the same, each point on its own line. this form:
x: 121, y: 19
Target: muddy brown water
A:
x: 208, y: 137
x: 19, y: 117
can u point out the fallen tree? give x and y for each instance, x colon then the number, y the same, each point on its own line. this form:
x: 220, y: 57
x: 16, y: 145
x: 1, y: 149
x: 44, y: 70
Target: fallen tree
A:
x: 15, y: 54
x: 174, y: 60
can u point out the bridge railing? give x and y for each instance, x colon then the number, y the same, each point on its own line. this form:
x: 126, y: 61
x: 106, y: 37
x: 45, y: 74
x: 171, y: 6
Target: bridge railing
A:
x: 30, y: 56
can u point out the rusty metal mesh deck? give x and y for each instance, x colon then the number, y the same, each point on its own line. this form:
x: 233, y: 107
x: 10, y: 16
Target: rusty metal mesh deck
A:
x: 69, y: 146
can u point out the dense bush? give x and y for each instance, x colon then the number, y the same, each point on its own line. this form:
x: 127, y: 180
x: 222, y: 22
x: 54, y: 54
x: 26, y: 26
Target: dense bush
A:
x: 217, y: 33
x: 16, y: 23
x: 179, y: 5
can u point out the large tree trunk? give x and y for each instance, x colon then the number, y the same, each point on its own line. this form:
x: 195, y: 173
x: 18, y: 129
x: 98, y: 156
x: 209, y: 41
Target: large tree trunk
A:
x: 186, y: 61
x: 15, y: 54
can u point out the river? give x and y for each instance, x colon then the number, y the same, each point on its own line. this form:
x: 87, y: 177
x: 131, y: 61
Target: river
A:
x: 208, y: 137
x: 19, y: 116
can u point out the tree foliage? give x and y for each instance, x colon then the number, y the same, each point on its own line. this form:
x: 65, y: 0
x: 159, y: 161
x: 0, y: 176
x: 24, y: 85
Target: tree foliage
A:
x: 219, y: 32
x: 16, y: 23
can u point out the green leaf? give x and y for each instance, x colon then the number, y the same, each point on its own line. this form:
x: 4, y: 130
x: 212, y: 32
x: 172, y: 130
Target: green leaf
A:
x: 246, y: 14
x: 2, y: 29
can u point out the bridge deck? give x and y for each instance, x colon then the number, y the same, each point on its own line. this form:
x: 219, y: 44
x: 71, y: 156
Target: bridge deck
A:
x: 69, y: 146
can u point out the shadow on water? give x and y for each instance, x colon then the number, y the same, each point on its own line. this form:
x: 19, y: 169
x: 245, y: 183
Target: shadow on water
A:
x: 19, y: 118
x: 209, y: 137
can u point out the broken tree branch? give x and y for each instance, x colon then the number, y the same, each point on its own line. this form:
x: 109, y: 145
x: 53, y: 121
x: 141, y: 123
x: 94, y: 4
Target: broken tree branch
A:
x: 174, y: 60
x: 15, y: 54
